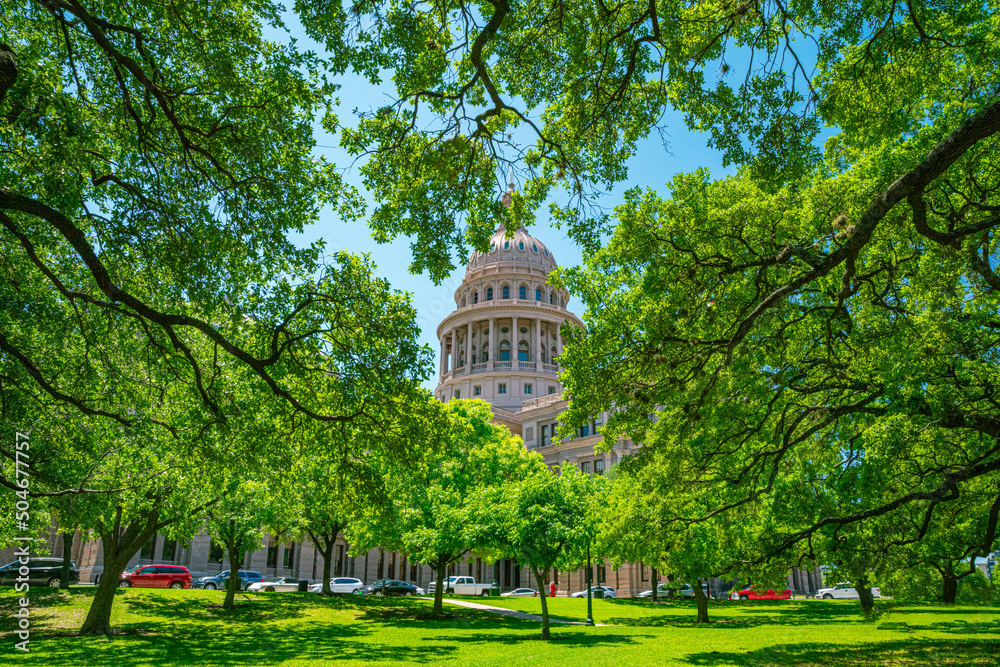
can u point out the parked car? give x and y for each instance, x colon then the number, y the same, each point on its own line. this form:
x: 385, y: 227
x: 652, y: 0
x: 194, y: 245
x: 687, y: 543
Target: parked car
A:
x: 843, y: 591
x: 686, y: 591
x: 769, y: 594
x: 420, y: 591
x: 218, y: 581
x: 662, y: 591
x: 279, y: 585
x: 41, y: 572
x: 520, y: 593
x: 340, y: 585
x: 156, y: 576
x: 392, y: 587
x: 608, y: 592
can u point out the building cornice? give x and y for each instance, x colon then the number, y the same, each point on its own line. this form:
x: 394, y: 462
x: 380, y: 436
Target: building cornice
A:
x: 505, y: 309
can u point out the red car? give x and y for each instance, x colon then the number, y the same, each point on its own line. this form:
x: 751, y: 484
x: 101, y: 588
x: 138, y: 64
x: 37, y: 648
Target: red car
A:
x: 770, y: 594
x: 156, y: 576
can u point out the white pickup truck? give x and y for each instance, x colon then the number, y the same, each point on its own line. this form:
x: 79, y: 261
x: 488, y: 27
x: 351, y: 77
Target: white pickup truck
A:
x: 461, y: 586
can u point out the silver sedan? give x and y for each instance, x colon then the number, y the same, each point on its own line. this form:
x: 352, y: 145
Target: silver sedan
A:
x: 520, y: 593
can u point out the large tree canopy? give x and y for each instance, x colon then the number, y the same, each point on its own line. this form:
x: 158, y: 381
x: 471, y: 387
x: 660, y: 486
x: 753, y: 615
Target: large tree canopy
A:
x: 153, y: 170
x: 157, y: 320
x: 817, y: 331
x: 565, y: 91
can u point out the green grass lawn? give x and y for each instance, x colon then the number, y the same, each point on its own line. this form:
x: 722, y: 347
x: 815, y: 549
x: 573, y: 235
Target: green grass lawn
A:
x: 165, y: 627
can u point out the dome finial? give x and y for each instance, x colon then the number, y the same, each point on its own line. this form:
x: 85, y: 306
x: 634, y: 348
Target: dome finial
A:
x: 508, y: 197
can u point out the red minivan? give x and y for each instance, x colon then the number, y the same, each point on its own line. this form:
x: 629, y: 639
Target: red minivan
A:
x: 156, y: 576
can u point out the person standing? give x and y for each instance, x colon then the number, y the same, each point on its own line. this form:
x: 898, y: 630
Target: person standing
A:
x: 552, y: 589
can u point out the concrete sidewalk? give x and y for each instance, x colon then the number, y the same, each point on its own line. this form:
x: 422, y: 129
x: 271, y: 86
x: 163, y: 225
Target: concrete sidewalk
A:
x: 514, y: 614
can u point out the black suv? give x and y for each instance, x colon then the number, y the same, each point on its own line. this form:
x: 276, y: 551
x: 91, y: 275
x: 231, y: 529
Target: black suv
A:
x: 219, y: 580
x: 41, y: 572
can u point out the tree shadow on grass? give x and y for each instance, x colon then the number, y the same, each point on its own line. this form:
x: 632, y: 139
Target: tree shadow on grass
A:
x: 246, y: 609
x: 742, y: 617
x: 882, y: 654
x: 559, y: 636
x: 956, y: 627
x: 409, y: 615
x: 193, y: 643
x: 177, y: 633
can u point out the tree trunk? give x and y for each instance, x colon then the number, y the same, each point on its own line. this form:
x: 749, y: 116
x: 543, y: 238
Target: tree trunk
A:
x: 233, y: 585
x: 542, y: 579
x: 67, y: 552
x: 654, y: 584
x: 324, y: 544
x: 119, y: 547
x: 865, y: 596
x: 950, y: 590
x: 439, y: 586
x: 98, y: 621
x: 702, y: 602
x: 327, y: 553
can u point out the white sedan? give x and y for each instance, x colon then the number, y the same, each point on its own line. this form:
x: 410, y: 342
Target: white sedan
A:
x: 520, y: 593
x: 843, y: 591
x: 340, y: 585
x: 608, y: 592
x: 281, y: 584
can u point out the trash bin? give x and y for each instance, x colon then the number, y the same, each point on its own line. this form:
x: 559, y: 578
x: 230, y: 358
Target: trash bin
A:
x: 495, y: 590
x: 303, y: 586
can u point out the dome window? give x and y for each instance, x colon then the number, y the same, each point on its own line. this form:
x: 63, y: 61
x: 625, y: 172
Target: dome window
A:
x: 505, y: 351
x: 505, y: 292
x: 504, y: 329
x: 524, y: 330
x: 475, y: 297
x: 546, y: 252
x: 520, y: 245
x: 538, y: 294
x: 506, y: 245
x: 522, y: 293
x: 489, y: 293
x: 552, y: 299
x: 534, y: 248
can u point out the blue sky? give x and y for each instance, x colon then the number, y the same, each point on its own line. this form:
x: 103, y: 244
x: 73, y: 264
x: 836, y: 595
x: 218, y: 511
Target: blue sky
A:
x: 652, y: 166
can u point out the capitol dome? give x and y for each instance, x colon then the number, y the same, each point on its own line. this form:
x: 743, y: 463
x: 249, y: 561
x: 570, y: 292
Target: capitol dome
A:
x: 502, y: 342
x: 522, y: 247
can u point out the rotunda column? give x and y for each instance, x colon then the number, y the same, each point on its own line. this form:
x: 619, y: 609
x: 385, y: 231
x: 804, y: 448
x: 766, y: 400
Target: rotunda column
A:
x: 558, y: 340
x: 513, y: 343
x: 454, y: 351
x: 489, y: 345
x: 538, y: 345
x: 468, y: 347
x: 443, y: 360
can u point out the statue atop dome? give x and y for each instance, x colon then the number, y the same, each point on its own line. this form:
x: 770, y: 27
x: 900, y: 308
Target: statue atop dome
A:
x: 508, y: 197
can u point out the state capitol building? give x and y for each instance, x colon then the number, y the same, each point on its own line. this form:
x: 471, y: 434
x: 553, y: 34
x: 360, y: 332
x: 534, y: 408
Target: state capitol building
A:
x: 501, y: 344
